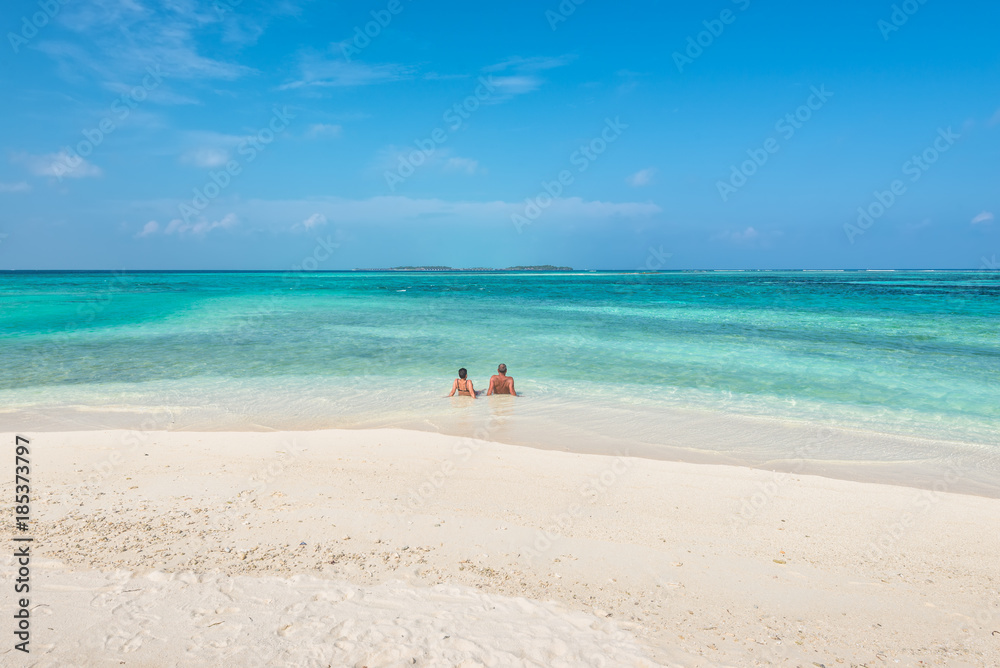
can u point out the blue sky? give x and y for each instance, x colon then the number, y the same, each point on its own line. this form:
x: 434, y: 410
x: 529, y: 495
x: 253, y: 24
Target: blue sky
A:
x: 725, y: 134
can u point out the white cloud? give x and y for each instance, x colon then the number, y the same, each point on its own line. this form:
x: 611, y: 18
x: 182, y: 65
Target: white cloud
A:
x: 124, y: 37
x: 406, y: 210
x: 521, y: 75
x: 323, y: 70
x: 317, y: 70
x: 435, y: 76
x: 747, y: 236
x: 206, y: 157
x: 59, y: 165
x: 641, y: 178
x: 910, y: 227
x: 467, y: 165
x: 517, y: 85
x: 390, y: 158
x: 200, y: 228
x: 207, y: 149
x: 315, y: 220
x: 577, y: 207
x: 534, y: 64
x: 390, y: 212
x: 19, y: 187
x: 323, y: 131
x: 152, y: 227
x: 984, y: 217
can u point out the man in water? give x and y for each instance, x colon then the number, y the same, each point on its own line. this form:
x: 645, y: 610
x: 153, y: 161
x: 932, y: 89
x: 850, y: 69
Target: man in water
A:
x: 501, y: 383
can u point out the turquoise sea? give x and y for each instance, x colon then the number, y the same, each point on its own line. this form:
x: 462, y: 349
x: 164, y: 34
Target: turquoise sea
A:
x: 721, y: 366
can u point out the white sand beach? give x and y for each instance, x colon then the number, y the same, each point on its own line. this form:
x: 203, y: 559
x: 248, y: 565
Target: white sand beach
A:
x: 400, y: 548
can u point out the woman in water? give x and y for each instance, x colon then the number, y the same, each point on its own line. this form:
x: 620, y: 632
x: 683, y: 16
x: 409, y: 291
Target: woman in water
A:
x: 463, y: 385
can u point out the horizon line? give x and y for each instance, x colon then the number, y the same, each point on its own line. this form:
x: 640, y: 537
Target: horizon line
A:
x: 483, y: 270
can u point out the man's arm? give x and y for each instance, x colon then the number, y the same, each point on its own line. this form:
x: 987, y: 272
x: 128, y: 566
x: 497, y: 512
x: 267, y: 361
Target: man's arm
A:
x: 512, y: 392
x: 489, y: 390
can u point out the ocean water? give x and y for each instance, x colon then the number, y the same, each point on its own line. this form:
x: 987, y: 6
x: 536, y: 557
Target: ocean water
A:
x: 751, y: 367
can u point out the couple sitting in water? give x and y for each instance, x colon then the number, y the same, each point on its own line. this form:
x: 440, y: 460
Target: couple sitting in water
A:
x: 500, y: 383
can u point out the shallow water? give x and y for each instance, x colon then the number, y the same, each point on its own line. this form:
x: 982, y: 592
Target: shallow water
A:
x: 601, y: 358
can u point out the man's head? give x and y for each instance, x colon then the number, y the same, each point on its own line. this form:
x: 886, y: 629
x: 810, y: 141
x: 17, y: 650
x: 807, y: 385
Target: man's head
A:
x: 462, y: 373
x: 502, y: 369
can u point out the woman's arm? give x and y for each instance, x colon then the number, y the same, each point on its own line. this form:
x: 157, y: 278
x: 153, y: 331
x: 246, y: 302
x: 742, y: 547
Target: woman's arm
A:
x: 472, y: 390
x: 454, y: 386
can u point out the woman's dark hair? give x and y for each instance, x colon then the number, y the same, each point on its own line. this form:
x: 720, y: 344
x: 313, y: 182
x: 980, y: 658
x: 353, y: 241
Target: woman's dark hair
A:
x: 462, y: 373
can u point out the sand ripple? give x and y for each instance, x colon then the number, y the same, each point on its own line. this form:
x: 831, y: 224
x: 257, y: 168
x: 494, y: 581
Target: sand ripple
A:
x: 187, y: 619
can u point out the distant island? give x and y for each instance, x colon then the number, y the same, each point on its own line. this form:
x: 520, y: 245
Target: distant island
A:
x: 538, y: 267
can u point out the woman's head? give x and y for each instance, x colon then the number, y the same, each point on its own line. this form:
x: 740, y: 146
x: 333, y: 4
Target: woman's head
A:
x: 461, y: 373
